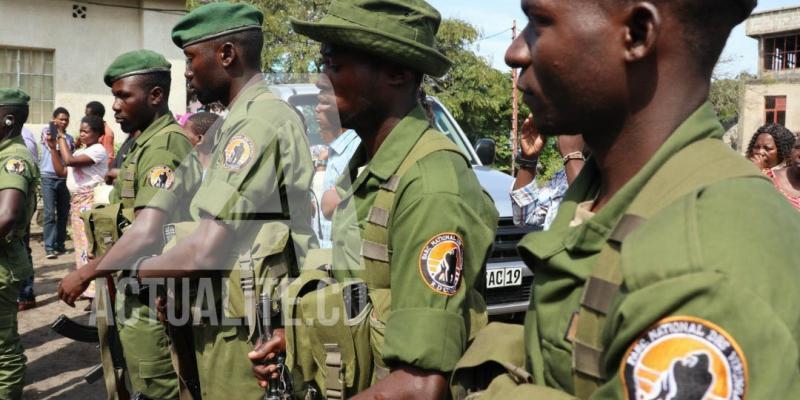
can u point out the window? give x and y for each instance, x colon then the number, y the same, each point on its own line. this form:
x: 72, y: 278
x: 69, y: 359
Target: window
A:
x: 781, y: 53
x: 31, y: 71
x: 775, y: 107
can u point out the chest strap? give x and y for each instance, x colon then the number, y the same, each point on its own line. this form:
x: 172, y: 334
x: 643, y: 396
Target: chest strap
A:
x: 375, y: 243
x: 709, y: 162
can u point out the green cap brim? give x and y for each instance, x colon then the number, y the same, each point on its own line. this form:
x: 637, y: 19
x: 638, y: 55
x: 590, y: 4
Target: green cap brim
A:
x: 344, y: 33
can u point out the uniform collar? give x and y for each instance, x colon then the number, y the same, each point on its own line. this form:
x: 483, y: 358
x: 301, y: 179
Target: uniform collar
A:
x: 397, y: 145
x: 340, y: 144
x: 251, y: 89
x: 7, y: 142
x: 590, y: 236
x: 153, y: 129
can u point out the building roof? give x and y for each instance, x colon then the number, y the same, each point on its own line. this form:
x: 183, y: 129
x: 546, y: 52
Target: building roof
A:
x: 773, y: 22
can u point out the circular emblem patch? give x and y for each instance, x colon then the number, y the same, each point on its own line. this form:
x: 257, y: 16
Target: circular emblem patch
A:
x: 441, y: 263
x: 15, y: 166
x: 684, y: 358
x: 238, y: 152
x: 161, y: 177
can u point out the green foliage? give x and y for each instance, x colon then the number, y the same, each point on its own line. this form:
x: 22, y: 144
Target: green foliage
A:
x: 724, y: 95
x: 478, y: 96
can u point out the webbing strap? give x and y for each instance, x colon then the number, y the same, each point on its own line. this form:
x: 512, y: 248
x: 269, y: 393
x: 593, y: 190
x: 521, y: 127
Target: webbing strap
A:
x: 334, y: 372
x: 375, y: 243
x: 247, y: 278
x: 699, y: 165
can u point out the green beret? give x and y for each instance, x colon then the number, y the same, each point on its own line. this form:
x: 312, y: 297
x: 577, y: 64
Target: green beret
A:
x: 137, y: 62
x: 13, y: 97
x: 214, y: 20
x: 400, y: 31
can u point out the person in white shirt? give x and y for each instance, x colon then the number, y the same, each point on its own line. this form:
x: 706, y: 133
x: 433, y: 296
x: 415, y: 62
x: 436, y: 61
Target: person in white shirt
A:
x: 84, y: 169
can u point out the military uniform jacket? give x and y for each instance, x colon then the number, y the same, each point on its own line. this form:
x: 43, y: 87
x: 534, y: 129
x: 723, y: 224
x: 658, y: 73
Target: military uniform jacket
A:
x: 260, y: 170
x: 708, y: 307
x: 148, y: 175
x: 441, y: 218
x: 17, y: 171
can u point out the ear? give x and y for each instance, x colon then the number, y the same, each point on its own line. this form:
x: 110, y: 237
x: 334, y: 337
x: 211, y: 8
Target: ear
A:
x: 156, y: 96
x: 226, y: 53
x: 643, y: 24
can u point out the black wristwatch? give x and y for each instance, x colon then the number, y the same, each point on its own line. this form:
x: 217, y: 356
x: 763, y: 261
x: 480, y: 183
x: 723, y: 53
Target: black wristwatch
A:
x: 527, y: 163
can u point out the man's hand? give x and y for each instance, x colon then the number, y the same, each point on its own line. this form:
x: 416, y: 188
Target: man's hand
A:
x: 71, y: 287
x: 531, y: 141
x: 264, y: 353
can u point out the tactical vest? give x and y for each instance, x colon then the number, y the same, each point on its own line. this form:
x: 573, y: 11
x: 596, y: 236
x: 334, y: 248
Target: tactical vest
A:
x: 339, y: 353
x: 709, y: 162
x: 105, y: 223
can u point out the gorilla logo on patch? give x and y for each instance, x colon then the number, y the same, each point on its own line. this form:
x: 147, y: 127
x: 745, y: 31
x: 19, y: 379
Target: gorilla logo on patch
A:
x: 684, y: 358
x: 238, y: 152
x: 161, y: 177
x: 441, y: 263
x: 15, y: 166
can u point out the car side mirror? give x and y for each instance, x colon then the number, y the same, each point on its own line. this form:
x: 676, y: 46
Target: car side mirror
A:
x: 486, y: 151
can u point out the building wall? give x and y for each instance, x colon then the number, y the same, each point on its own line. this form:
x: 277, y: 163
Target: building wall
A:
x: 774, y: 21
x: 751, y: 115
x: 85, y: 47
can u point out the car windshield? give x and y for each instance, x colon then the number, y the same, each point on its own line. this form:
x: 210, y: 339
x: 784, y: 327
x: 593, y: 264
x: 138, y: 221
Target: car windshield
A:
x: 441, y: 121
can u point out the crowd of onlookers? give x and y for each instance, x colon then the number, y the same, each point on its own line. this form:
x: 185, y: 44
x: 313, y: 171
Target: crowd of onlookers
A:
x: 77, y: 172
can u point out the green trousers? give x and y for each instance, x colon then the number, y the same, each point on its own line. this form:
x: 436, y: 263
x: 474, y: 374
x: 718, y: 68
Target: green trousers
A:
x: 145, y: 345
x: 12, y: 357
x: 222, y: 363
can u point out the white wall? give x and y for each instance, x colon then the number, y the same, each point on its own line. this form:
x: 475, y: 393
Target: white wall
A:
x: 85, y: 47
x: 752, y: 111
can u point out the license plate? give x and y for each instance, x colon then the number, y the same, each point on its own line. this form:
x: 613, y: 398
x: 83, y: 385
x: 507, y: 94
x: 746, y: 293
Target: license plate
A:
x: 503, y: 277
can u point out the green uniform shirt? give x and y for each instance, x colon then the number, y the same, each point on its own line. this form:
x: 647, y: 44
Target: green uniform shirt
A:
x: 150, y: 170
x: 261, y: 168
x: 17, y: 171
x: 439, y: 206
x: 708, y: 307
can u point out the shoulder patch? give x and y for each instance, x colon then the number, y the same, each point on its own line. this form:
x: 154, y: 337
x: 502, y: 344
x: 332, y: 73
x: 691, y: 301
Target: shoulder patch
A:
x: 161, y: 177
x: 441, y: 263
x: 15, y: 166
x: 238, y: 152
x: 684, y: 358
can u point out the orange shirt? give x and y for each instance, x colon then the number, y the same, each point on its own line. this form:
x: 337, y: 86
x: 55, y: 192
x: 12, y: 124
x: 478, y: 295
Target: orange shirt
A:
x: 108, y: 143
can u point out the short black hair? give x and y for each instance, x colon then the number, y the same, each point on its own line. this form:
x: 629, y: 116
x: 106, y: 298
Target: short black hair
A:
x: 202, y: 121
x: 95, y: 124
x: 96, y: 108
x: 161, y: 79
x: 784, y: 140
x: 249, y: 43
x: 706, y: 25
x: 60, y: 110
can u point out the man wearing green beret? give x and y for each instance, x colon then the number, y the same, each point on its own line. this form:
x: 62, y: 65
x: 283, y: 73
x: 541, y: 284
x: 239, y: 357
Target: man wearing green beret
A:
x: 18, y: 179
x: 412, y: 231
x: 149, y: 185
x: 650, y: 283
x: 252, y: 214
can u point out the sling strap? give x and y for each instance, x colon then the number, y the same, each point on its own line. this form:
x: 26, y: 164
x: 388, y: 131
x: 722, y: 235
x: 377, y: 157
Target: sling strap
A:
x: 375, y: 242
x: 709, y: 162
x: 375, y: 247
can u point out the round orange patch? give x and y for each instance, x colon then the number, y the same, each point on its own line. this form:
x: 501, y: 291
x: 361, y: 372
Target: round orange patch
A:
x: 684, y: 358
x: 441, y: 263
